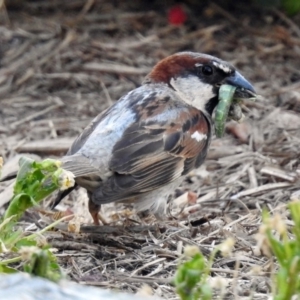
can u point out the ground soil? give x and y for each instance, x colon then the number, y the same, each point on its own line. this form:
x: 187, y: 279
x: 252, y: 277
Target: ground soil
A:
x: 63, y: 62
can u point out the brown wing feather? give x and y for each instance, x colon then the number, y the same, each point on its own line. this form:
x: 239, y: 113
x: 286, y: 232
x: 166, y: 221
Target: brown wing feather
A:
x: 149, y: 156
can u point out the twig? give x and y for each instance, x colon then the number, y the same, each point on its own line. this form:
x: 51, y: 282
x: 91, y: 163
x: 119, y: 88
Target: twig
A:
x: 115, y: 68
x: 118, y: 229
x: 147, y: 265
x: 288, y: 21
x: 46, y: 146
x: 288, y: 176
x: 263, y: 188
x: 37, y: 114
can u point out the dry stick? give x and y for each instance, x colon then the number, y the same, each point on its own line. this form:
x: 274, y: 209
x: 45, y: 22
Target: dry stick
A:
x: 115, y: 68
x: 21, y: 62
x: 4, y: 89
x: 3, y: 10
x: 87, y: 6
x: 289, y: 88
x: 252, y: 177
x: 118, y: 229
x: 125, y: 45
x: 282, y: 174
x: 238, y: 174
x: 45, y: 146
x: 28, y: 74
x: 223, y: 228
x: 147, y: 265
x: 262, y: 188
x: 233, y: 272
x: 235, y: 280
x: 208, y: 196
x: 236, y: 21
x: 144, y: 279
x: 243, y: 204
x: 66, y: 75
x: 37, y: 114
x: 99, y: 283
x: 65, y: 43
x: 14, y: 56
x: 225, y: 13
x: 159, y: 268
x: 53, y: 132
x: 106, y: 93
x: 203, y: 31
x: 288, y: 21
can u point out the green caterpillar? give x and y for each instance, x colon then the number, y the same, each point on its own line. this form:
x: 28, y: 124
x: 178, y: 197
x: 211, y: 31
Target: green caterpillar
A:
x: 228, y: 108
x: 226, y: 94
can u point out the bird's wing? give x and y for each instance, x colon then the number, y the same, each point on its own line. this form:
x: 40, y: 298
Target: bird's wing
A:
x: 155, y: 152
x: 82, y: 138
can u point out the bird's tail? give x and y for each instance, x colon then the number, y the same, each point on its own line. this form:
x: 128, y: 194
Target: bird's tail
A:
x: 9, y: 177
x: 61, y: 195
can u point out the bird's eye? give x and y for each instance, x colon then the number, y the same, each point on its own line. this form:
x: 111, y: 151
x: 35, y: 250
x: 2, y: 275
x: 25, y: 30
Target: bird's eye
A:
x: 207, y: 70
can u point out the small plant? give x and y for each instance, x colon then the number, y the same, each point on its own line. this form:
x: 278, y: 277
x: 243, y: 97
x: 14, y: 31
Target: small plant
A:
x: 34, y: 182
x: 274, y: 239
x: 191, y: 277
x: 15, y: 243
x: 41, y: 262
x: 192, y: 280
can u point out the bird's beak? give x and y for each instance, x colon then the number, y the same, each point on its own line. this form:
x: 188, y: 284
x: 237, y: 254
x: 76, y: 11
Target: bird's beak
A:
x: 244, y: 89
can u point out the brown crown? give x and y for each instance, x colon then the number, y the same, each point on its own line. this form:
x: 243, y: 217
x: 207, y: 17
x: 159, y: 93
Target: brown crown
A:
x: 176, y: 64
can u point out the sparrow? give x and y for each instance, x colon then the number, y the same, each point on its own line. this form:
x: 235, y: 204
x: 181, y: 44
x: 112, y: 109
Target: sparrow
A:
x: 142, y: 147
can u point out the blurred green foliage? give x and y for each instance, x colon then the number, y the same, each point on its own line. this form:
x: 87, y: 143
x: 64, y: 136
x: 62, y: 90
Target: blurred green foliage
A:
x: 284, y: 243
x: 291, y: 7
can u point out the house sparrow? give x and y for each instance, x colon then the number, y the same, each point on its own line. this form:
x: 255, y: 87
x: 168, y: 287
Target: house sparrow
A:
x: 142, y: 147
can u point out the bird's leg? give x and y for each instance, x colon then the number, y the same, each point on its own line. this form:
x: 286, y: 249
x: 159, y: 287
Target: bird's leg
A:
x: 95, y: 212
x: 94, y: 209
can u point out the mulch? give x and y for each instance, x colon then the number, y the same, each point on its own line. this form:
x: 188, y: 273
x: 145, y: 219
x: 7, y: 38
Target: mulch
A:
x: 63, y: 62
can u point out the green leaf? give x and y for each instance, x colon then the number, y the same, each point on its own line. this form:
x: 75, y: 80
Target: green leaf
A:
x: 11, y: 238
x: 43, y: 264
x: 35, y: 181
x: 190, y: 279
x: 24, y: 242
x: 291, y: 7
x: 18, y: 205
x: 7, y: 270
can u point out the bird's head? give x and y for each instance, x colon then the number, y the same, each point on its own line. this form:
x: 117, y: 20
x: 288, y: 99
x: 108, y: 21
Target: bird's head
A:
x: 197, y: 77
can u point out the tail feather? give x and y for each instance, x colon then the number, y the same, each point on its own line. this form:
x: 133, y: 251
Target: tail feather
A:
x: 61, y: 195
x: 8, y: 177
x: 78, y: 165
